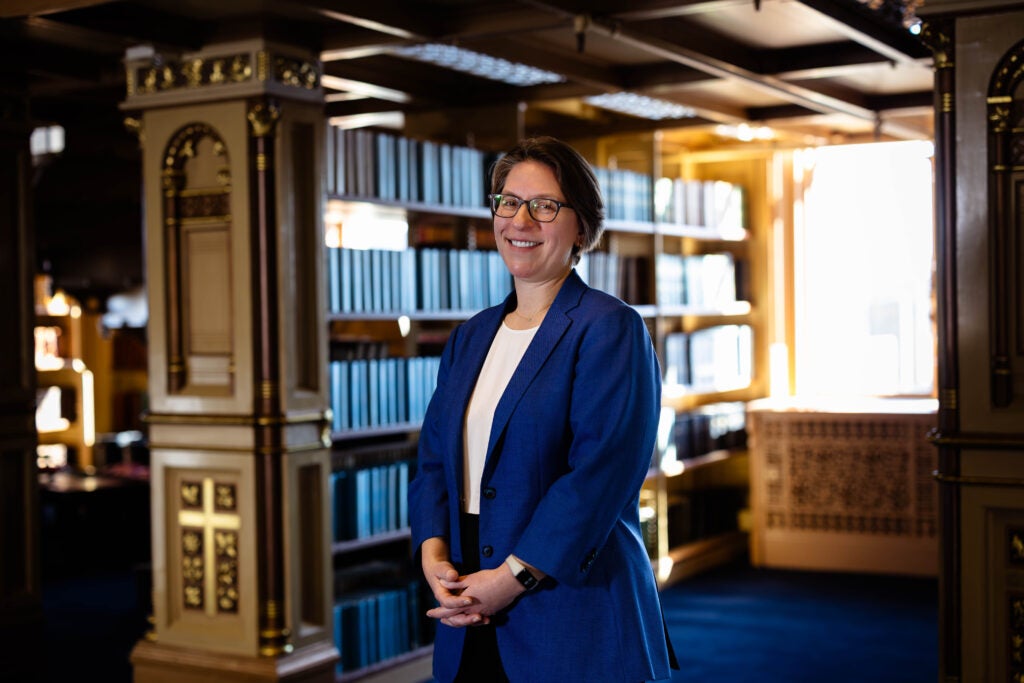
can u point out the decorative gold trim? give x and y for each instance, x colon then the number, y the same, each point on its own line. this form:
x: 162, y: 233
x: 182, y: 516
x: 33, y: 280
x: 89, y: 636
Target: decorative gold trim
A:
x: 263, y: 118
x: 1015, y: 546
x: 188, y: 74
x: 266, y: 450
x: 972, y: 440
x: 133, y: 124
x: 244, y: 420
x: 937, y: 35
x: 209, y: 543
x: 262, y: 68
x: 205, y: 220
x: 947, y: 399
x: 956, y: 480
x: 274, y: 636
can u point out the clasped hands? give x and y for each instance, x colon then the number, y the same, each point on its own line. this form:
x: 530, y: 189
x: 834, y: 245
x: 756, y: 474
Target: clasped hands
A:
x: 469, y: 600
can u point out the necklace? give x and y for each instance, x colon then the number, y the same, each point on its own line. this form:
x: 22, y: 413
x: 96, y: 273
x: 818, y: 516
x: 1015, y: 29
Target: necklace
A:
x: 534, y: 316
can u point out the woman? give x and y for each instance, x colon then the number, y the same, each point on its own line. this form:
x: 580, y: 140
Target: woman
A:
x: 533, y: 450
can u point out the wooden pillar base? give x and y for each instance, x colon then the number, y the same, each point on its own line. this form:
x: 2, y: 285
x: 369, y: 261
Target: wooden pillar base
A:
x: 156, y: 663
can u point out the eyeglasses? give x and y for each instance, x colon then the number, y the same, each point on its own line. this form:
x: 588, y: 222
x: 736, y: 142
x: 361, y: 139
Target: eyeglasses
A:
x: 541, y: 208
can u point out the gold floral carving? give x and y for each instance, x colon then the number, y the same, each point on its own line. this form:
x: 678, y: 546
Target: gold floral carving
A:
x: 192, y: 73
x: 263, y: 118
x: 210, y: 526
x: 937, y: 36
x: 1016, y: 546
x: 204, y: 72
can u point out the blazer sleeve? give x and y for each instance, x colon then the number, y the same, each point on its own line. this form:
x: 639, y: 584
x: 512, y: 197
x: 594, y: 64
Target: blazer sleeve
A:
x: 613, y: 416
x: 428, y: 494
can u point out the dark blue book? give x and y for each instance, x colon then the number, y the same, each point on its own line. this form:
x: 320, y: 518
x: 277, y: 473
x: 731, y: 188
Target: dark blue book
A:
x: 454, y: 287
x: 347, y: 293
x: 370, y: 294
x: 335, y: 390
x: 394, y: 270
x: 363, y: 503
x: 359, y: 280
x: 373, y: 392
x: 359, y: 388
x: 392, y: 391
x: 466, y: 280
x: 445, y: 173
x: 444, y: 301
x: 403, y: 494
x: 415, y: 182
x: 334, y: 279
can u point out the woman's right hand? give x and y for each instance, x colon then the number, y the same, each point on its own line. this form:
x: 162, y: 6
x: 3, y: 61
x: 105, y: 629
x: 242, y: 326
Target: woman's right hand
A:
x: 453, y: 608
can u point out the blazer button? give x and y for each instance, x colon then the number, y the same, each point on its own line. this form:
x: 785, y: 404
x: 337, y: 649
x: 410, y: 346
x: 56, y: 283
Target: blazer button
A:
x: 490, y: 493
x: 487, y: 551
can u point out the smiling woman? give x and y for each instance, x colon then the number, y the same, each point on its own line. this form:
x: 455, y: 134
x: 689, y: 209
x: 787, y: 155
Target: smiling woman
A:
x: 546, y: 410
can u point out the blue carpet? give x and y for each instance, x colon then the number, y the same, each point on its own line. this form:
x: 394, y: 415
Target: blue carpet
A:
x: 742, y: 625
x: 91, y: 623
x: 734, y: 624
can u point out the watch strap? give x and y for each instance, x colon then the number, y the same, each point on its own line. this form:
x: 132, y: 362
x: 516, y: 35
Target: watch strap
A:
x: 522, y: 574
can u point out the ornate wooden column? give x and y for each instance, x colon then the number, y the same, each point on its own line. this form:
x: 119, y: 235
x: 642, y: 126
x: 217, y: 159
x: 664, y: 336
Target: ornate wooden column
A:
x: 939, y: 35
x: 979, y: 49
x: 232, y: 161
x: 20, y: 599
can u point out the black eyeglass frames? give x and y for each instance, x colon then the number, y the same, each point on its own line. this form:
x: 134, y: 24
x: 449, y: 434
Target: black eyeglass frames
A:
x: 541, y: 209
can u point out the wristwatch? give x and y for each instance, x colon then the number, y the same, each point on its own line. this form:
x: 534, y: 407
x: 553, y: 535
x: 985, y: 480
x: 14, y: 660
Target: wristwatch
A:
x: 521, y: 573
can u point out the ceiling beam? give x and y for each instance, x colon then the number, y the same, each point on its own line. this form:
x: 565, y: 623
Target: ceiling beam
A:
x: 897, y: 46
x: 10, y: 9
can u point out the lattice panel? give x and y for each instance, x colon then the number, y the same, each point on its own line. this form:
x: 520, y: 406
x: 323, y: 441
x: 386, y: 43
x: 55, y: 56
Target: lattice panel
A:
x: 848, y: 476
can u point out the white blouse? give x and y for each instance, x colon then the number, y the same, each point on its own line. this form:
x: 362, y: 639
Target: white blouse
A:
x: 503, y: 358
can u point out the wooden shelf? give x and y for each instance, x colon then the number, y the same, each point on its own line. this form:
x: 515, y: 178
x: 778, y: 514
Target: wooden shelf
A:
x: 698, y: 556
x: 419, y: 207
x: 371, y: 432
x: 735, y: 308
x: 678, y: 467
x: 416, y: 665
x: 376, y: 540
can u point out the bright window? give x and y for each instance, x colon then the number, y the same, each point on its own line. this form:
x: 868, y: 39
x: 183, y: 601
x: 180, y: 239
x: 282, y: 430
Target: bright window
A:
x: 863, y: 275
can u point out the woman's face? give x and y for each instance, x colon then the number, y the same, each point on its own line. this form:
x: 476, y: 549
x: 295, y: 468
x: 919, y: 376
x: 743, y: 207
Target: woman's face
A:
x: 536, y: 252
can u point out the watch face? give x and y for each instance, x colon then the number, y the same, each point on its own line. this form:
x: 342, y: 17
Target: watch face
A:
x: 527, y: 579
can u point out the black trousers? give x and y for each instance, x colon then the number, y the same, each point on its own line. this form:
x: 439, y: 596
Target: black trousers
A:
x: 481, y: 662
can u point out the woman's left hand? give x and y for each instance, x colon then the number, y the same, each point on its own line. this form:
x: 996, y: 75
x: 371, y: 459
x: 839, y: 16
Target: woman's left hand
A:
x: 491, y: 590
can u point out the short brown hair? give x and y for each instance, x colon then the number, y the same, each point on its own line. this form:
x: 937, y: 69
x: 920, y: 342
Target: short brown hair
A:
x: 575, y: 178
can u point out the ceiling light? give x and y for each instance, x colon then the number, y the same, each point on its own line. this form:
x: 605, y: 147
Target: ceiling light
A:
x: 641, y: 106
x: 477, y: 64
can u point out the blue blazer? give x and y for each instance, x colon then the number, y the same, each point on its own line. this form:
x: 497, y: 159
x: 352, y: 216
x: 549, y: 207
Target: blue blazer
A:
x: 570, y: 445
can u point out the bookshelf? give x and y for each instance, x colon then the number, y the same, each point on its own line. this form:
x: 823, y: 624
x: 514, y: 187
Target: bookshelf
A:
x: 65, y: 394
x: 709, y: 319
x: 431, y: 263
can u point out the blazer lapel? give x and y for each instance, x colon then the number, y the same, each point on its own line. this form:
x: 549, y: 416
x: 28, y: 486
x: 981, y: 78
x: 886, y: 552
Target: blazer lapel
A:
x: 555, y: 324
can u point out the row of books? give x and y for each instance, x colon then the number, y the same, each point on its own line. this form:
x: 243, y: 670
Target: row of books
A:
x: 707, y: 203
x: 712, y: 427
x: 380, y: 165
x: 376, y: 624
x: 424, y: 279
x: 622, y: 276
x: 704, y: 513
x: 704, y: 280
x: 627, y: 194
x: 369, y: 501
x: 376, y: 392
x: 432, y: 279
x: 693, y: 515
x: 717, y: 358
